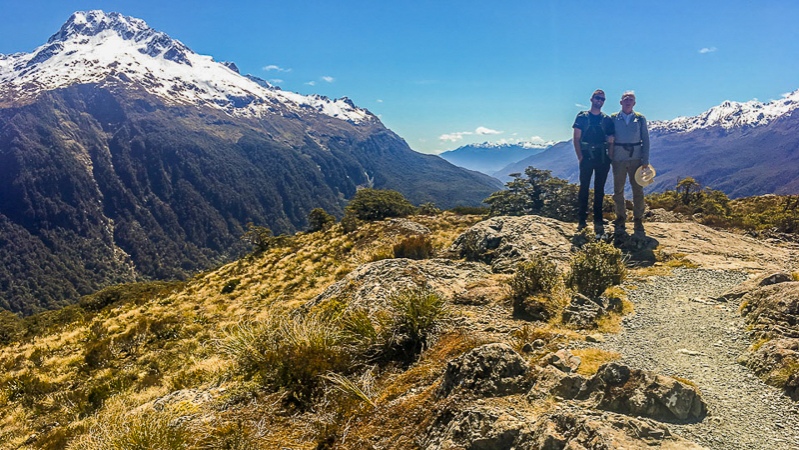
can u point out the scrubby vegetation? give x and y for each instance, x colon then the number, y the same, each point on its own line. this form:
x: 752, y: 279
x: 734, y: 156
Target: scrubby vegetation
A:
x: 596, y: 267
x: 536, y: 289
x: 711, y: 207
x: 86, y: 376
x: 539, y: 193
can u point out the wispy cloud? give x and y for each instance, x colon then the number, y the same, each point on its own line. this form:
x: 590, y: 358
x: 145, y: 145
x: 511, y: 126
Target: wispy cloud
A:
x: 454, y: 137
x: 580, y: 105
x: 704, y: 50
x: 328, y: 79
x: 484, y: 131
x: 311, y: 83
x: 275, y: 80
x: 273, y: 67
x: 379, y: 100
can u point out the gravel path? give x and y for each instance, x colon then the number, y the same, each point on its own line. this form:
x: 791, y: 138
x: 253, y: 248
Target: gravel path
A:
x: 678, y: 330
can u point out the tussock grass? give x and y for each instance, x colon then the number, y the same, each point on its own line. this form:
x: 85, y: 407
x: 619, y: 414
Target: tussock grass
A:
x: 592, y: 359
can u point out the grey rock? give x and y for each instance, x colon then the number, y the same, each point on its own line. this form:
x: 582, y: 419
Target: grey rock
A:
x: 763, y: 280
x: 371, y: 285
x: 618, y: 388
x: 487, y: 371
x: 505, y: 241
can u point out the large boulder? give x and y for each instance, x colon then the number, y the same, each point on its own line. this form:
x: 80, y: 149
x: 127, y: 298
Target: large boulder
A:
x: 777, y: 363
x: 477, y: 427
x: 370, y: 286
x: 505, y: 241
x: 484, y: 427
x: 753, y: 284
x: 490, y: 370
x: 618, y: 388
x: 772, y: 311
x: 580, y: 429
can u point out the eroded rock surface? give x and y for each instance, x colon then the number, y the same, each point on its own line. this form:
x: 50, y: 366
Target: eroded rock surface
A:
x: 505, y: 241
x: 487, y: 371
x: 371, y: 285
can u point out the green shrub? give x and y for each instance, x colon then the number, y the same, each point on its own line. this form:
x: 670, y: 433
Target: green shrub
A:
x: 596, y: 267
x: 378, y: 204
x: 416, y: 315
x: 137, y: 293
x: 230, y: 286
x: 349, y: 222
x: 11, y: 327
x: 414, y: 247
x: 532, y: 289
x: 539, y: 275
x: 429, y: 209
x: 319, y: 219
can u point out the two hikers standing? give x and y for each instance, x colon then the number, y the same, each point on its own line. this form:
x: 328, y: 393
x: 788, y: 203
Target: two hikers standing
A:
x: 601, y: 141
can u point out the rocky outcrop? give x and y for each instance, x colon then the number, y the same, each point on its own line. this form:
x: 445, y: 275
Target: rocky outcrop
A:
x: 618, y: 388
x: 583, y: 312
x: 485, y: 427
x: 371, y: 285
x: 757, y: 282
x: 487, y: 371
x: 777, y: 362
x: 772, y: 312
x: 505, y: 241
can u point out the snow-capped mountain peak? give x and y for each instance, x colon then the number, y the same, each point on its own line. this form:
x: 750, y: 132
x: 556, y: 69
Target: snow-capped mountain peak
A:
x: 730, y: 114
x: 109, y: 48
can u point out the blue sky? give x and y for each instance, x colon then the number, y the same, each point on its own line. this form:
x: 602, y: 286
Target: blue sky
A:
x: 442, y: 74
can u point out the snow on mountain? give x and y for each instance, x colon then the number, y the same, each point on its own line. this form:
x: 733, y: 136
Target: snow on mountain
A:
x: 731, y: 114
x: 522, y: 144
x: 98, y: 47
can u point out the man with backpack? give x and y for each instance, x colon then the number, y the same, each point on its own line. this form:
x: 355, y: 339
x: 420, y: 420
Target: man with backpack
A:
x: 629, y: 152
x: 593, y: 137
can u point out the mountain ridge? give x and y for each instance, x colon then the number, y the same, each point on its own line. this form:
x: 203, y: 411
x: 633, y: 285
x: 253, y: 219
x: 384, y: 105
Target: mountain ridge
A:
x: 125, y: 171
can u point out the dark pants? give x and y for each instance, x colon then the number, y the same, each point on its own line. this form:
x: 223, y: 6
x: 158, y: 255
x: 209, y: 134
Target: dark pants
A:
x: 599, y: 169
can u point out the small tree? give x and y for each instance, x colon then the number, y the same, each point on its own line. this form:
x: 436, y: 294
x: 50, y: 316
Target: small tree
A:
x: 378, y: 204
x: 688, y: 189
x: 319, y: 219
x: 259, y: 237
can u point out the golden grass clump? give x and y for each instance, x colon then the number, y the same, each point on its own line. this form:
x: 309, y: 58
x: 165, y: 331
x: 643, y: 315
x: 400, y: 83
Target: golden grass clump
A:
x: 592, y: 359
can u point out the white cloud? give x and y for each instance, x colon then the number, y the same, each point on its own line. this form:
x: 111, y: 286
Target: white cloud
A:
x: 272, y: 67
x: 707, y: 50
x: 484, y: 131
x: 275, y: 81
x: 379, y: 100
x: 454, y: 137
x: 579, y: 105
x: 311, y: 83
x: 328, y: 79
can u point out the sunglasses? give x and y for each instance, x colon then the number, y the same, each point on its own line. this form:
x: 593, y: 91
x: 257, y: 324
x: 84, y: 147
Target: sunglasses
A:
x: 601, y: 99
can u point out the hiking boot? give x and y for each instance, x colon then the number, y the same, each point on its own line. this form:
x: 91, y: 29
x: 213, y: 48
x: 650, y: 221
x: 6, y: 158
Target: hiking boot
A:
x: 599, y: 229
x: 618, y: 228
x: 638, y: 227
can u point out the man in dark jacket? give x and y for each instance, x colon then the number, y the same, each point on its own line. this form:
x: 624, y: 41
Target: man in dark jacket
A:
x: 593, y: 137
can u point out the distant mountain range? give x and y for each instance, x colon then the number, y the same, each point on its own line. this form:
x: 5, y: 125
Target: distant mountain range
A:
x: 124, y: 155
x: 743, y: 149
x: 488, y: 157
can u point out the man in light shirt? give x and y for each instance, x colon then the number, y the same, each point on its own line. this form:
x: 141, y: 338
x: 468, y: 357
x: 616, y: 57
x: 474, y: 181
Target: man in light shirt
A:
x: 629, y: 152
